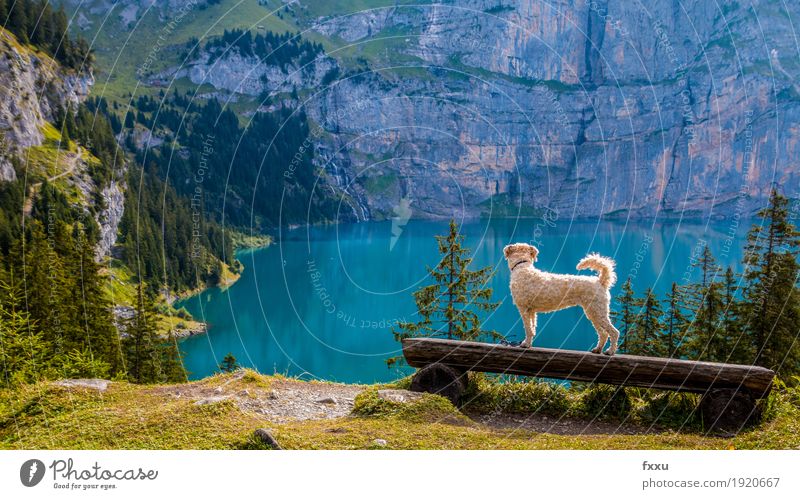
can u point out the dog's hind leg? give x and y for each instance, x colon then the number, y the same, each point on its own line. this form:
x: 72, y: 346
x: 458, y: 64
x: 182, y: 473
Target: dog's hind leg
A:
x: 529, y: 321
x: 614, y: 333
x: 599, y: 326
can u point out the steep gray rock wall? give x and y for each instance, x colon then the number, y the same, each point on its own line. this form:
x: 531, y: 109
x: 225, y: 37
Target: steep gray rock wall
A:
x: 32, y: 85
x: 588, y: 107
x: 109, y: 218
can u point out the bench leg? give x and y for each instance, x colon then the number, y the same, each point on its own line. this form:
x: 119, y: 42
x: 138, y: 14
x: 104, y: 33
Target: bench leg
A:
x: 441, y: 379
x: 727, y: 411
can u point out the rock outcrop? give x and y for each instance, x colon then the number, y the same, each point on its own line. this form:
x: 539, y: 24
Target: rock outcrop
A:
x: 109, y: 217
x: 32, y: 87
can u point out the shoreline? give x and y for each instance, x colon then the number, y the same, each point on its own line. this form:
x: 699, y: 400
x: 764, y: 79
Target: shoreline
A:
x: 228, y: 279
x: 225, y: 282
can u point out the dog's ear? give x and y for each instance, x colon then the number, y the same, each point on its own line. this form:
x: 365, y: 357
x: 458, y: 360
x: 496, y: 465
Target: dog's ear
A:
x: 507, y: 250
x: 534, y: 252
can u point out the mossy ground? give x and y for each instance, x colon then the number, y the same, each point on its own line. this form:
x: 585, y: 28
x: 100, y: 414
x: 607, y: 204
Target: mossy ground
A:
x: 126, y: 416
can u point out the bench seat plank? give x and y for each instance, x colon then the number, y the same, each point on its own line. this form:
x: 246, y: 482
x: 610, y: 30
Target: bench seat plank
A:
x: 623, y: 370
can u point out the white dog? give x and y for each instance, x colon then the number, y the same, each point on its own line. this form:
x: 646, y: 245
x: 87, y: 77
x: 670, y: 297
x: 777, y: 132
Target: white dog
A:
x: 535, y: 291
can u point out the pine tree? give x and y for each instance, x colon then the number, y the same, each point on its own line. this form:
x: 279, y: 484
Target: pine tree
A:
x: 82, y: 364
x: 229, y: 364
x: 22, y: 347
x: 172, y: 362
x: 645, y: 336
x: 626, y: 315
x: 18, y: 21
x: 60, y: 34
x: 675, y: 324
x: 140, y: 342
x: 98, y: 335
x: 47, y: 288
x: 704, y: 340
x: 771, y: 305
x: 43, y: 34
x: 737, y: 347
x: 449, y: 307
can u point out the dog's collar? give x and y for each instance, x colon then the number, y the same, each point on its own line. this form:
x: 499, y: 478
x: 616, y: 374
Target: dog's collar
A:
x: 518, y: 264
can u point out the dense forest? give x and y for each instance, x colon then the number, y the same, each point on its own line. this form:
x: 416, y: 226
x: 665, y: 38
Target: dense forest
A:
x: 272, y: 48
x: 165, y: 242
x: 37, y: 23
x: 751, y: 318
x: 259, y: 176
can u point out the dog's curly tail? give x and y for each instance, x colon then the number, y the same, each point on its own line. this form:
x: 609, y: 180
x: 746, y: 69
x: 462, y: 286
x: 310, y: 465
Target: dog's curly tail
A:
x: 603, y: 266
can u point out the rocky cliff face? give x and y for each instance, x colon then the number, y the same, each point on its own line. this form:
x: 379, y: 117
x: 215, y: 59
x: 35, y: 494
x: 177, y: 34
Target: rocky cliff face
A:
x: 32, y: 86
x: 250, y: 75
x: 585, y: 107
x: 110, y: 217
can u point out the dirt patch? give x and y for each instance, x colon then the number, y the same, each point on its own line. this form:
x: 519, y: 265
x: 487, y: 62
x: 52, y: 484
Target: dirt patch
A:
x: 558, y: 425
x: 283, y: 401
x: 298, y: 401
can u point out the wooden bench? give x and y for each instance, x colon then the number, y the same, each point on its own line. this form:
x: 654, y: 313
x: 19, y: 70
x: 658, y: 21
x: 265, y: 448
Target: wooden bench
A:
x: 729, y: 391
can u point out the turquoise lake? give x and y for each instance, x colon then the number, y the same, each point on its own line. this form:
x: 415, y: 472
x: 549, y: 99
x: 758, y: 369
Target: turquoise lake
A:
x: 321, y: 301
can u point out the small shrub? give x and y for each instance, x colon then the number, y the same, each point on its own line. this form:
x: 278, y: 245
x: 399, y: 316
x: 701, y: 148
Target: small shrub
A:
x: 367, y: 403
x: 401, y: 384
x: 254, y: 378
x: 604, y: 402
x: 82, y: 364
x: 781, y: 398
x: 488, y: 394
x: 428, y: 408
x: 668, y: 409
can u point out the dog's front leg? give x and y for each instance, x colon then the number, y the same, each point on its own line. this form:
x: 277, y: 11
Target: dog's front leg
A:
x: 529, y: 320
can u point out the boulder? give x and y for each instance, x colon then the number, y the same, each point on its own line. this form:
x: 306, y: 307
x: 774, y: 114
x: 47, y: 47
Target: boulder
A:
x: 399, y: 396
x: 92, y: 383
x: 265, y: 436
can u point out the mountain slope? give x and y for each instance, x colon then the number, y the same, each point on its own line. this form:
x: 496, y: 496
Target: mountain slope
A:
x: 497, y: 108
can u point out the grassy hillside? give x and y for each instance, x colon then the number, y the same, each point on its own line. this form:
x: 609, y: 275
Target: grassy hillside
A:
x: 221, y: 412
x: 157, y: 38
x: 122, y: 48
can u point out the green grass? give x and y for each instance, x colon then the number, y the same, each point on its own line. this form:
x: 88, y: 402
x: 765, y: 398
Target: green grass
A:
x: 474, y: 72
x: 126, y: 416
x: 244, y: 241
x: 341, y: 7
x: 49, y: 158
x: 52, y: 158
x: 120, y: 286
